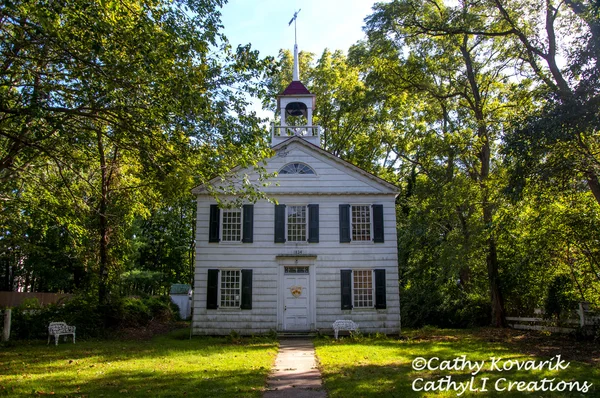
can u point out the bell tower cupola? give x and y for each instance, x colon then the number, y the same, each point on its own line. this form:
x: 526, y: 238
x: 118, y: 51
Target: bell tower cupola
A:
x: 295, y: 106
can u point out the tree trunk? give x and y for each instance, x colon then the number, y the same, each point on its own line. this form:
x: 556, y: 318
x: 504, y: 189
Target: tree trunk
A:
x: 103, y: 225
x: 592, y: 180
x: 497, y: 301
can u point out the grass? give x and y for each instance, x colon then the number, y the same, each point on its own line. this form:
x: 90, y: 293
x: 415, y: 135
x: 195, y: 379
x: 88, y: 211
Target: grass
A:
x: 382, y: 367
x: 166, y: 366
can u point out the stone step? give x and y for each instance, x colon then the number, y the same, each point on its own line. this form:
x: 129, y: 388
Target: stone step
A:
x: 292, y: 335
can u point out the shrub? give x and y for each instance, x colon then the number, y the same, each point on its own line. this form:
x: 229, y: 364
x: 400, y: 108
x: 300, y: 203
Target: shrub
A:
x: 30, y: 321
x: 559, y: 297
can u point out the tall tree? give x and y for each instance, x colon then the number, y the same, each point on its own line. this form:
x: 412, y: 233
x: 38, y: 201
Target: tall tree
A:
x: 117, y: 97
x: 556, y: 45
x: 415, y: 49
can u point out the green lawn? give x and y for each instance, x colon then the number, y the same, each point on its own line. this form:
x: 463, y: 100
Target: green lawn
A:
x: 370, y: 367
x: 166, y: 366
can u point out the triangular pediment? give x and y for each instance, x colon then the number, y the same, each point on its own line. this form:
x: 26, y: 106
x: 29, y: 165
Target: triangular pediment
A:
x: 332, y: 175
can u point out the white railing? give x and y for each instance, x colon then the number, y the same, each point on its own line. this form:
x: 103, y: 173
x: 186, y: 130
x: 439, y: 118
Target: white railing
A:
x: 302, y: 131
x: 310, y: 133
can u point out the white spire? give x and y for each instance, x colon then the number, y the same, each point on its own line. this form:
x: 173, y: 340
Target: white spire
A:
x: 296, y: 70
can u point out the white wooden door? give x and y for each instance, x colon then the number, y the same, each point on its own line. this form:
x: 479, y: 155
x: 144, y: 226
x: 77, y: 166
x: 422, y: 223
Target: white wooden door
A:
x: 296, y: 292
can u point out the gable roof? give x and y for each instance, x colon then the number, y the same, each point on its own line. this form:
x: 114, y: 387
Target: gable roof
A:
x: 385, y: 186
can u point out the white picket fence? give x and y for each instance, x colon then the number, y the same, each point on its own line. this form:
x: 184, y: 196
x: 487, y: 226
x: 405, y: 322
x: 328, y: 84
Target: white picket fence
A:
x: 585, y: 318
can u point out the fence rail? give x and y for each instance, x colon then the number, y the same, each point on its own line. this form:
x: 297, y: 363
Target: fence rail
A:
x: 569, y: 325
x: 14, y: 299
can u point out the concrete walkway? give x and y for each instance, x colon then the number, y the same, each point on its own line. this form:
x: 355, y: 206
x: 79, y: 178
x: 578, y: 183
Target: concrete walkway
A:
x: 295, y: 374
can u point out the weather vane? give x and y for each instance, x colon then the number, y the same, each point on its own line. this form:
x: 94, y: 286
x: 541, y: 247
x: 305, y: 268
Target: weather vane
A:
x: 294, y: 21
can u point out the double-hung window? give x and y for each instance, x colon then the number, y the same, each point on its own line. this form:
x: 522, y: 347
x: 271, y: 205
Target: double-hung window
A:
x: 297, y: 223
x: 361, y: 223
x: 231, y: 225
x: 363, y: 288
x: 229, y: 288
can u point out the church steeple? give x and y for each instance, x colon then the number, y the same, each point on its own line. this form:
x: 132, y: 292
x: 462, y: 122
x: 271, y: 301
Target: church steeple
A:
x: 296, y: 71
x: 296, y: 105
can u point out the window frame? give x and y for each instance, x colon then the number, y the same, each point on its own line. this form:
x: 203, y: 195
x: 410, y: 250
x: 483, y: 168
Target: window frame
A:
x: 306, y: 226
x: 370, y: 210
x: 371, y: 272
x: 220, y: 288
x: 222, y: 225
x: 313, y: 172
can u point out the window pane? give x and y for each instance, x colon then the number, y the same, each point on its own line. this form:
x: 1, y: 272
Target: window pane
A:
x: 363, y: 288
x: 296, y: 223
x: 296, y: 168
x: 230, y: 289
x: 232, y: 225
x: 296, y: 270
x: 361, y: 223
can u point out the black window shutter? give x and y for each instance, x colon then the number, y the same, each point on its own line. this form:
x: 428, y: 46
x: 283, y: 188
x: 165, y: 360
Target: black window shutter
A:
x: 346, y: 277
x: 212, y: 289
x: 248, y: 228
x: 313, y: 223
x: 246, y: 289
x: 279, y: 223
x: 378, y: 223
x: 344, y: 223
x: 380, y: 302
x: 213, y: 225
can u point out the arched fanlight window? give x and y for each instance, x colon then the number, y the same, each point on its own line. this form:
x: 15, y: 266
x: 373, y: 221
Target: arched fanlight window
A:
x: 296, y: 168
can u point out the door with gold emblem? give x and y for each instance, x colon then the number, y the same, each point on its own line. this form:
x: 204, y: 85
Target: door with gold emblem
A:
x: 296, y: 291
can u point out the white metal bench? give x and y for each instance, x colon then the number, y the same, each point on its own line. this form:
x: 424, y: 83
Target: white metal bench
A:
x: 58, y: 329
x: 343, y: 325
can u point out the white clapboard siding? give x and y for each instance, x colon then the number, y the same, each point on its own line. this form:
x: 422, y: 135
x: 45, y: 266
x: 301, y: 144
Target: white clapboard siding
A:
x: 335, y: 183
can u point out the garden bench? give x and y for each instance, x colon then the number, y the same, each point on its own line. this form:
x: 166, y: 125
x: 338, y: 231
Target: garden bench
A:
x: 58, y: 329
x: 343, y: 325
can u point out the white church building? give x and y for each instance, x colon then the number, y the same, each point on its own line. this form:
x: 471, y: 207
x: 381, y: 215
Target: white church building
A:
x: 326, y: 251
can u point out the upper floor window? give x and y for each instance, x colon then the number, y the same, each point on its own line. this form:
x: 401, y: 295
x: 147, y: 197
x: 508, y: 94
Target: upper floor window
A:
x: 231, y: 225
x: 296, y: 168
x: 361, y: 223
x: 296, y: 223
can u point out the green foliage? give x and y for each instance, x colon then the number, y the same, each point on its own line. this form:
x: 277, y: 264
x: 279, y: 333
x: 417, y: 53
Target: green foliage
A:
x: 90, y: 318
x: 559, y: 298
x: 143, y: 282
x: 110, y: 114
x: 81, y: 311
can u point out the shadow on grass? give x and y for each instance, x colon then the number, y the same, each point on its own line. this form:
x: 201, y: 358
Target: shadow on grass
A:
x: 403, y: 381
x: 207, y: 367
x: 372, y: 367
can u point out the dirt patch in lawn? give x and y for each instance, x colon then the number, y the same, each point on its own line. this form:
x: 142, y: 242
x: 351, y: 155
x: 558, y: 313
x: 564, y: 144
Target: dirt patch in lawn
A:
x: 154, y: 328
x: 528, y: 342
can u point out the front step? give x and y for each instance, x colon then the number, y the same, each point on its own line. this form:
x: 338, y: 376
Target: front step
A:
x: 295, y: 335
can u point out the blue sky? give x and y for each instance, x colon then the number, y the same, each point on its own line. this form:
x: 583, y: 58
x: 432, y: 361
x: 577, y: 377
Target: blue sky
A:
x: 332, y: 24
